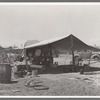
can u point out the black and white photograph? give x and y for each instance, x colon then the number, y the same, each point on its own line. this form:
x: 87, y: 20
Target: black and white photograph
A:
x: 50, y: 49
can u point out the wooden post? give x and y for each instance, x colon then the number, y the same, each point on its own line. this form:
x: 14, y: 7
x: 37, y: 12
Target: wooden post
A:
x: 26, y: 59
x: 51, y: 56
x: 72, y: 49
x: 73, y: 60
x: 90, y: 58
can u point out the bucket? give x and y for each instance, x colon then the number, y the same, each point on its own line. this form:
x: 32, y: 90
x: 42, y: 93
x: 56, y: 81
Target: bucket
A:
x: 81, y: 71
x: 5, y: 73
x: 86, y: 68
x: 35, y: 72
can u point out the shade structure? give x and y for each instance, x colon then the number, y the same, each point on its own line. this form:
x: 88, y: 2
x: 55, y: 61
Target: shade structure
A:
x: 61, y: 45
x: 64, y: 44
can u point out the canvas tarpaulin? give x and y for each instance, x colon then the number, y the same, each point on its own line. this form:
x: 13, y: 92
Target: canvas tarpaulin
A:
x: 64, y: 44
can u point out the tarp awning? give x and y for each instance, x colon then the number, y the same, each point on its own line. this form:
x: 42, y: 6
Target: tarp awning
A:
x: 64, y: 43
x: 45, y: 42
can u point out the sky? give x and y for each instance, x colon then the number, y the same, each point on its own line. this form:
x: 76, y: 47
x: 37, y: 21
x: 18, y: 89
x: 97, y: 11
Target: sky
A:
x: 24, y: 21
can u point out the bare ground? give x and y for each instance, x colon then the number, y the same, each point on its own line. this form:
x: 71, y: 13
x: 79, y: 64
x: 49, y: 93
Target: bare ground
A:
x: 63, y: 84
x: 66, y: 84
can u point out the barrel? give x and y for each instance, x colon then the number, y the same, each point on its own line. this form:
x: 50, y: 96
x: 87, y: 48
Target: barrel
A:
x: 5, y: 73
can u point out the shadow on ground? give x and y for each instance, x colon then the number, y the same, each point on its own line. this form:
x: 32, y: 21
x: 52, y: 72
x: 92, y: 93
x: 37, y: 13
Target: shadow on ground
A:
x: 8, y: 82
x: 69, y: 69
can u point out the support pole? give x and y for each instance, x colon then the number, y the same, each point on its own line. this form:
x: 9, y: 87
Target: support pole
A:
x: 73, y: 60
x: 26, y: 59
x: 90, y: 57
x: 72, y: 49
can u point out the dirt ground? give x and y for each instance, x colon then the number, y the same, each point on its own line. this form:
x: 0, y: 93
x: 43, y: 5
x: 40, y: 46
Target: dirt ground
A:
x: 62, y: 84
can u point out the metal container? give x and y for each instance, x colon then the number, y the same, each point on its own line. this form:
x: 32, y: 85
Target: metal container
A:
x: 86, y: 68
x: 81, y: 71
x: 35, y: 72
x: 5, y: 73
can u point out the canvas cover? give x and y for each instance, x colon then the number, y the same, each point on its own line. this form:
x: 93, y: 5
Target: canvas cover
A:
x: 72, y: 42
x: 64, y: 44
